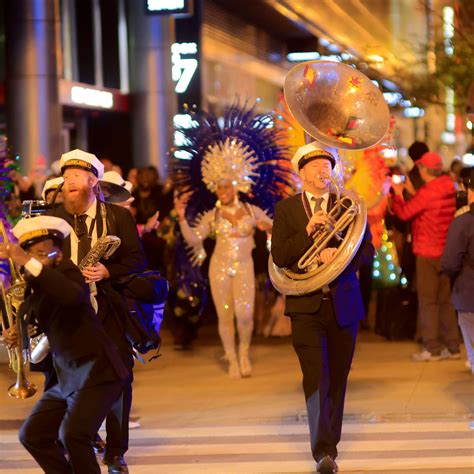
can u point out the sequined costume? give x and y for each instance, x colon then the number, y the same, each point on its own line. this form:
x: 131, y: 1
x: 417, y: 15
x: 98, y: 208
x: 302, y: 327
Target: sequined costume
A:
x: 241, y: 149
x: 231, y: 271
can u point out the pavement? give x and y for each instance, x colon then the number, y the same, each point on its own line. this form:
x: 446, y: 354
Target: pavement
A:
x: 400, y: 416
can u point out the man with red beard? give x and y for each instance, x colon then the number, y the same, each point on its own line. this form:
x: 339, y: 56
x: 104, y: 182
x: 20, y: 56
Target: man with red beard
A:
x: 92, y: 219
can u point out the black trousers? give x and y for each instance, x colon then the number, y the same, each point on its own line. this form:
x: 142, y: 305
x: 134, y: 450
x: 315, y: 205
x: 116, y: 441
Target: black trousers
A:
x: 325, y: 351
x: 116, y: 423
x: 74, y: 420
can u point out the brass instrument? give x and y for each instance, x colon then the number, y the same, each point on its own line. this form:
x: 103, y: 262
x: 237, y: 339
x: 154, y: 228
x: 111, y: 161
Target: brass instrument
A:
x: 13, y: 298
x: 339, y: 107
x: 103, y: 248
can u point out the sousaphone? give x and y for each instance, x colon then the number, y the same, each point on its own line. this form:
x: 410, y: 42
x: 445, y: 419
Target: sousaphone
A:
x: 339, y: 107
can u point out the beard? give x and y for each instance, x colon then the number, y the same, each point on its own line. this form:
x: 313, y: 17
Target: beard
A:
x: 79, y: 202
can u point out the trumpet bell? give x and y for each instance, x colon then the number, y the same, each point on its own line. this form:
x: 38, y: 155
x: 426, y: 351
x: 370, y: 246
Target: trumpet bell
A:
x: 22, y: 390
x: 336, y: 104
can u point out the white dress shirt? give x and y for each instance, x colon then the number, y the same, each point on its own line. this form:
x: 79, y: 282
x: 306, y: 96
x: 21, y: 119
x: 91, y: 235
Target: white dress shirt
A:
x: 324, y: 203
x: 91, y: 215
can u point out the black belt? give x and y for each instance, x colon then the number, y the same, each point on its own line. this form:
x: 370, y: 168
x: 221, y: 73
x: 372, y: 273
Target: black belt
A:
x: 324, y: 292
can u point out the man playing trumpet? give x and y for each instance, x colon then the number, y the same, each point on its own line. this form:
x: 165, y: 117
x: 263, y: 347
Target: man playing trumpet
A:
x: 90, y: 372
x: 324, y: 322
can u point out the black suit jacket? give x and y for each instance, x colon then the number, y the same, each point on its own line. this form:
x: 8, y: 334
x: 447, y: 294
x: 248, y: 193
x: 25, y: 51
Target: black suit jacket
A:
x: 83, y: 354
x: 290, y: 241
x: 128, y: 259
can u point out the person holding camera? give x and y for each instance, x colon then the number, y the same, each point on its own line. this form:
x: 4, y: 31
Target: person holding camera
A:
x: 431, y: 211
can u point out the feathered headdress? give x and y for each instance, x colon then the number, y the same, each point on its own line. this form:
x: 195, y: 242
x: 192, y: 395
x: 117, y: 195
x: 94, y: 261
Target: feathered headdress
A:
x: 243, y: 147
x: 229, y: 161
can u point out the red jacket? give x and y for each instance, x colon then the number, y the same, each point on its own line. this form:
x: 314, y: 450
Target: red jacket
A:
x: 432, y: 210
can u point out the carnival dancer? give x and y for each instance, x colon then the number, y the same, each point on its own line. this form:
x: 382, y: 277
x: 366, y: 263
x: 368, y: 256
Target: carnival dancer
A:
x: 324, y: 322
x: 238, y: 164
x: 90, y: 220
x: 90, y: 372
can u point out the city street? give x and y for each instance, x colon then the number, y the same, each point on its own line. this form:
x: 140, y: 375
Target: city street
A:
x: 400, y: 416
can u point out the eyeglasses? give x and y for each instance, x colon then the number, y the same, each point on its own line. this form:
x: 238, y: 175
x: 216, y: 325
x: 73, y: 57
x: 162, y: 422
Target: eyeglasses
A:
x: 43, y: 255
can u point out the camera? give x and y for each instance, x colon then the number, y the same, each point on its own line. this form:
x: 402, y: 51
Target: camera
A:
x: 398, y: 178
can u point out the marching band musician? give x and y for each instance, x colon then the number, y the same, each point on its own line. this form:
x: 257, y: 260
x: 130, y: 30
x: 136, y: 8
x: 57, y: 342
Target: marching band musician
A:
x: 49, y: 189
x: 89, y: 369
x: 324, y: 322
x: 81, y: 172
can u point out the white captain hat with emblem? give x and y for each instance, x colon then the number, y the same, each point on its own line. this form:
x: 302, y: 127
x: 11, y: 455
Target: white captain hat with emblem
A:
x: 312, y: 151
x: 31, y: 230
x: 82, y: 160
x: 115, y: 188
x: 51, y: 185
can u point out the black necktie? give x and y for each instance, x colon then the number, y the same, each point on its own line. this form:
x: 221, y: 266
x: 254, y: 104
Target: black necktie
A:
x: 84, y: 243
x: 317, y: 203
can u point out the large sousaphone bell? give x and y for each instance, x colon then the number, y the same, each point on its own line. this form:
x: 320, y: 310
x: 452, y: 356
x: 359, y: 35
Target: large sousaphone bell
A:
x: 339, y: 107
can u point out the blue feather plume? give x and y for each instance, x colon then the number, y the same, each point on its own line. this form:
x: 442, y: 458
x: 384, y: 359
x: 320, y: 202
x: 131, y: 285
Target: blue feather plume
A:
x: 256, y: 130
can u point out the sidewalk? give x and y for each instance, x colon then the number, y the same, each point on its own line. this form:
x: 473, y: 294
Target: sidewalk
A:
x: 401, y: 417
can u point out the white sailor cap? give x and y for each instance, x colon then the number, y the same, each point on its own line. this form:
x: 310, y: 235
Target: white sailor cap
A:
x: 115, y: 178
x: 82, y: 160
x: 115, y: 188
x: 31, y: 230
x: 309, y: 152
x: 51, y: 185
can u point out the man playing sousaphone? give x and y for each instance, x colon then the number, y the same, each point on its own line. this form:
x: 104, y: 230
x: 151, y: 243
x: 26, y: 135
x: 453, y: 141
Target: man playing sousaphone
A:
x: 90, y: 372
x: 324, y: 322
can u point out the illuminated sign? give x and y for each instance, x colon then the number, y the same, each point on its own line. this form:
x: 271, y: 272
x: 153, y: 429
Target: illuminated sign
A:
x: 92, y: 97
x: 184, y: 64
x: 450, y: 114
x: 392, y: 98
x: 182, y: 121
x: 177, y: 8
x: 448, y: 30
x: 468, y: 159
x: 413, y: 112
x: 448, y: 138
x: 302, y: 56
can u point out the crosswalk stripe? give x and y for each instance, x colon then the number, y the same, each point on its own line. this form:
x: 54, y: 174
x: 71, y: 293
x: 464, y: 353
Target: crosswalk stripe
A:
x: 279, y: 448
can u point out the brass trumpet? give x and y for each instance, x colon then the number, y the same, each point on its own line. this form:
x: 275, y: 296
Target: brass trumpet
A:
x: 12, y: 298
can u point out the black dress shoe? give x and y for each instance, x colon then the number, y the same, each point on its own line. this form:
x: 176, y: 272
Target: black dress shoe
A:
x: 99, y: 445
x: 116, y: 464
x: 326, y: 465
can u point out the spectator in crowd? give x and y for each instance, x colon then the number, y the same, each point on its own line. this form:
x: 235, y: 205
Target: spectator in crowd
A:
x: 23, y: 187
x: 38, y: 175
x: 49, y: 190
x: 132, y: 178
x: 431, y: 211
x: 455, y: 171
x: 415, y: 152
x: 458, y: 263
x: 108, y: 165
x: 149, y: 197
x: 13, y: 203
